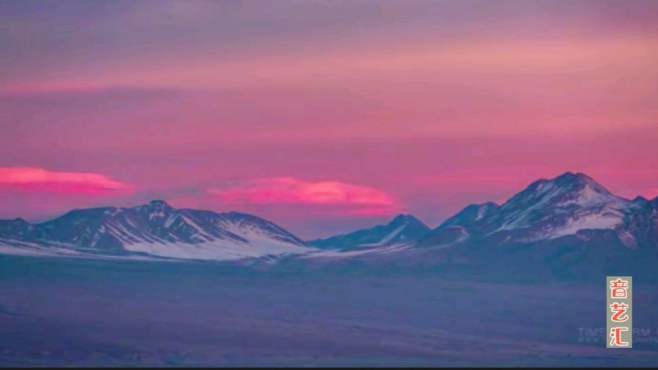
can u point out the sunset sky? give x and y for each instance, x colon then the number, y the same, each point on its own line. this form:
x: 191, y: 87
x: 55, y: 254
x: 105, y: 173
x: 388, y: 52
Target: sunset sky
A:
x: 322, y: 116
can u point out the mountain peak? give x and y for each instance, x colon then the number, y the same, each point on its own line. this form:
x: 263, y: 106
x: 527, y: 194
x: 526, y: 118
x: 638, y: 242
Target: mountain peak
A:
x: 158, y: 203
x: 19, y: 220
x: 573, y: 176
x: 402, y: 228
x: 640, y: 200
x: 574, y: 187
x: 156, y: 209
x: 546, y: 209
x: 403, y: 219
x: 471, y: 213
x: 16, y: 222
x: 561, y: 206
x: 578, y: 179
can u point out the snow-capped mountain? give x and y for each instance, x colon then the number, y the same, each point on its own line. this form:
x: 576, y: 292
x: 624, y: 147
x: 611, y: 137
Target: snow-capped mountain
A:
x: 402, y: 229
x: 545, y: 210
x: 559, y: 225
x: 566, y: 227
x: 155, y: 229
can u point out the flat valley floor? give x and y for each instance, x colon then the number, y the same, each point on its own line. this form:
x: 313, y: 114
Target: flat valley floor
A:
x: 73, y: 312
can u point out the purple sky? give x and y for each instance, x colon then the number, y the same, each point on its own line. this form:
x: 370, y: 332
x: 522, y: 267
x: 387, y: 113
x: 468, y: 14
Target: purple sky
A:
x: 322, y: 116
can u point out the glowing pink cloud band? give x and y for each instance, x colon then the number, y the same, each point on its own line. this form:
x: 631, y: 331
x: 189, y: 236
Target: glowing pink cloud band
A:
x: 353, y: 199
x: 31, y: 179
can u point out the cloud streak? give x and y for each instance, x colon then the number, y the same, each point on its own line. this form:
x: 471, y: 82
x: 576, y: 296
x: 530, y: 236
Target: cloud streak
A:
x: 30, y: 179
x: 352, y: 199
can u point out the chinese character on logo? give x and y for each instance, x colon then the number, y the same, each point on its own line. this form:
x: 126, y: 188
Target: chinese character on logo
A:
x: 619, y: 289
x: 619, y: 312
x: 615, y: 337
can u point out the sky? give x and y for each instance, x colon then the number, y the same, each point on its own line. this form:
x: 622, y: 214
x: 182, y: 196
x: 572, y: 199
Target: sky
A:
x: 322, y: 116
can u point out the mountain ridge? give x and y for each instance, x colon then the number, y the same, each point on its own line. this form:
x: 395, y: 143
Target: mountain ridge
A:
x: 567, y: 227
x: 545, y: 209
x: 568, y: 215
x: 403, y: 228
x: 154, y: 228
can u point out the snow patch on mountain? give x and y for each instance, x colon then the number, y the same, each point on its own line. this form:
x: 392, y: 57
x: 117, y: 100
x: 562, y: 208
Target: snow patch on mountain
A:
x: 387, y: 238
x: 222, y: 250
x: 586, y: 222
x: 34, y: 251
x: 332, y: 253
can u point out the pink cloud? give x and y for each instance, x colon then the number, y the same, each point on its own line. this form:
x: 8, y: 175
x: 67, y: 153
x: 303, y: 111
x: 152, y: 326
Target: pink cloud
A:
x: 333, y: 196
x: 29, y: 179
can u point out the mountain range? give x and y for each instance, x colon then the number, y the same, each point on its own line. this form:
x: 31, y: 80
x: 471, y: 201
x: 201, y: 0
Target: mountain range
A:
x: 154, y: 229
x: 566, y: 223
x: 552, y: 209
